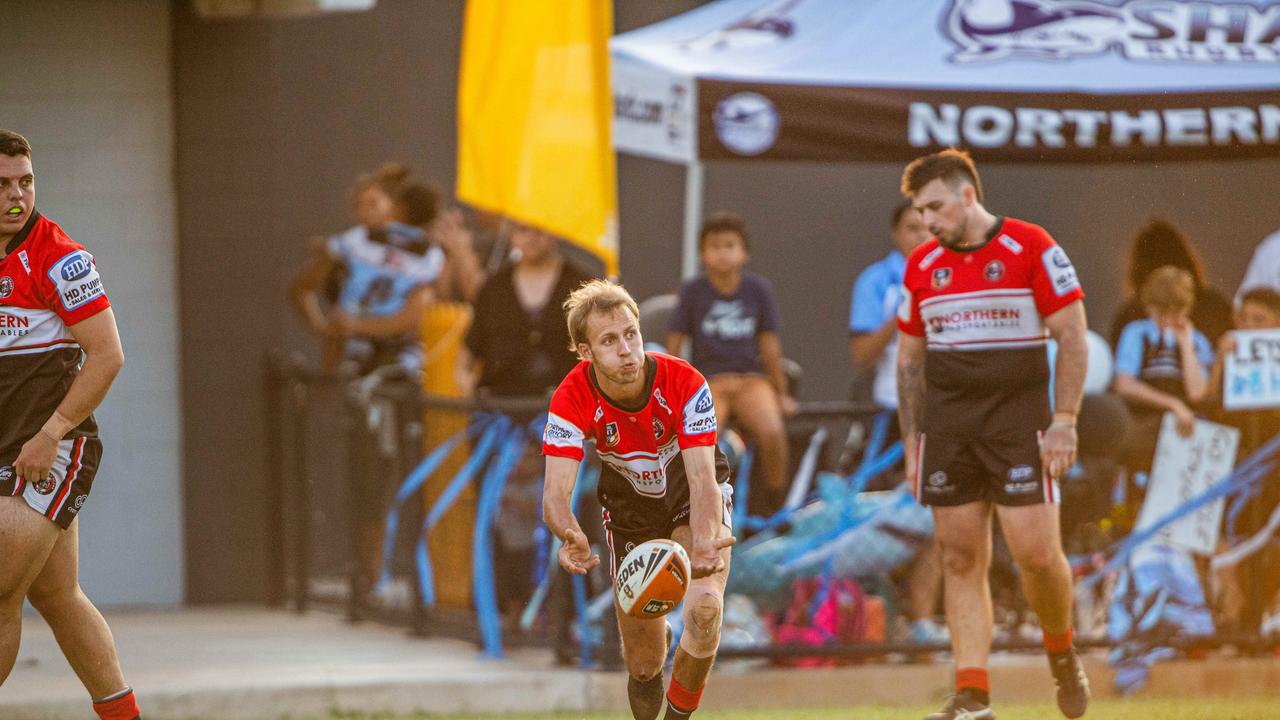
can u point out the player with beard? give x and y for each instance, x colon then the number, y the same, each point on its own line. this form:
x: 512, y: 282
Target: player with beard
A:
x: 979, y: 302
x: 662, y: 476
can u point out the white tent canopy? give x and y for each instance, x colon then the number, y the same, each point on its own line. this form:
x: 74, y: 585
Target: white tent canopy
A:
x: 1009, y: 80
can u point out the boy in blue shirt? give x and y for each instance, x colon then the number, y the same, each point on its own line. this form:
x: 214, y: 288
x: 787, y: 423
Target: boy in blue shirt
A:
x: 1162, y: 363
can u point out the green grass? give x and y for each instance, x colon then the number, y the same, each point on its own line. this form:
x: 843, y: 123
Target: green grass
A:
x: 1099, y: 709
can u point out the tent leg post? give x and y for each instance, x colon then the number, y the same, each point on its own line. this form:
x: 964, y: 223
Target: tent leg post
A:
x: 694, y: 177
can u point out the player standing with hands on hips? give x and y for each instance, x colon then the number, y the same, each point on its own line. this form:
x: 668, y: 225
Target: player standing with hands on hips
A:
x: 52, y: 309
x: 980, y: 300
x: 654, y: 424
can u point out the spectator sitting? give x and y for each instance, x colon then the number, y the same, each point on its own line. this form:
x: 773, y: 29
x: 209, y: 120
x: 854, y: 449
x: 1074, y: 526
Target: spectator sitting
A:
x: 873, y: 346
x: 732, y: 321
x: 1162, y: 363
x: 1159, y: 243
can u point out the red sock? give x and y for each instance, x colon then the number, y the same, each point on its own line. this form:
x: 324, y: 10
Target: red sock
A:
x: 1056, y: 644
x: 682, y: 698
x: 972, y: 678
x: 121, y: 707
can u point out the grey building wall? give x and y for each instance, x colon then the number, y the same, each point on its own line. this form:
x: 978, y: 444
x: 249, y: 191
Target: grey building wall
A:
x: 275, y: 119
x: 89, y: 84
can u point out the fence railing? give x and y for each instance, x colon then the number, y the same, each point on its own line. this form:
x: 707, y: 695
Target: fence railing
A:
x: 388, y: 413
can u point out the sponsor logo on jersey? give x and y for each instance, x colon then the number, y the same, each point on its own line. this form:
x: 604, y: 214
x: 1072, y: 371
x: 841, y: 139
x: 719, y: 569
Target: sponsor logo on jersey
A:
x: 1014, y: 246
x: 993, y: 271
x: 561, y: 433
x: 1061, y: 273
x: 611, y: 434
x: 704, y: 400
x: 662, y: 402
x: 941, y: 278
x: 45, y: 485
x: 1021, y: 488
x: 76, y: 279
x: 6, y: 287
x: 75, y: 266
x: 658, y: 429
x: 14, y: 325
x: 22, y: 258
x: 904, y: 305
x: 929, y: 259
x: 599, y: 414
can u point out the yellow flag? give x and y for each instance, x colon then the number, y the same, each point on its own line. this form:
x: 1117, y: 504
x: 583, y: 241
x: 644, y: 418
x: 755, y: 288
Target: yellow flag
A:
x: 534, y: 113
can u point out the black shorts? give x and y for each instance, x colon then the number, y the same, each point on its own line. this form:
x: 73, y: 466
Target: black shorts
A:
x: 622, y: 540
x: 60, y: 496
x: 1001, y: 470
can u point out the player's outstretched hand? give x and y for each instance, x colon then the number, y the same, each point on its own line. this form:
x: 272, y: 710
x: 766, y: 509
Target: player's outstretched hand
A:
x: 707, y: 558
x: 575, y: 554
x: 1058, y: 449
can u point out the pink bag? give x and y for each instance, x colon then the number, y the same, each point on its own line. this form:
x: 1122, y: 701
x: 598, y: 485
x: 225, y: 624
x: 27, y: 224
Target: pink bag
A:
x: 823, y: 611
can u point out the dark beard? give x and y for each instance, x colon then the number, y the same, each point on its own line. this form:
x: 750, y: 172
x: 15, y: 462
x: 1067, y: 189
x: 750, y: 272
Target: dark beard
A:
x: 958, y: 243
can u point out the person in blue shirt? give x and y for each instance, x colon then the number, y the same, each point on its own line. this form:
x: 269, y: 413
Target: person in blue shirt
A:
x: 873, y: 309
x: 731, y: 320
x: 873, y: 348
x: 1162, y: 363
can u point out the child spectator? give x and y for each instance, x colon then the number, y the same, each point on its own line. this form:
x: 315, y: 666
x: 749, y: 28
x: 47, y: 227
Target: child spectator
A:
x: 1162, y: 363
x: 731, y: 319
x: 1243, y: 590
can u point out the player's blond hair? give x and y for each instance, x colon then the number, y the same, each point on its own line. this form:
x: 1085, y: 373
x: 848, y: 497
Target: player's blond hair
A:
x: 1168, y: 288
x: 594, y: 296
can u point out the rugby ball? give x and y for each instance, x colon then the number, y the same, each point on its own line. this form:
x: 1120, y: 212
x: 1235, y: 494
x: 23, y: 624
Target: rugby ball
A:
x: 652, y: 579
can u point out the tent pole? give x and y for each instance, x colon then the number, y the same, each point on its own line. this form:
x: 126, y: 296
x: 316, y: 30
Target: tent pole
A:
x: 693, y: 180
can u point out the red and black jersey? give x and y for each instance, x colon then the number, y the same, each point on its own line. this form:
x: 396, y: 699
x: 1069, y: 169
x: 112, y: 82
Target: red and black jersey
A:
x: 982, y: 313
x: 643, y: 477
x: 48, y: 282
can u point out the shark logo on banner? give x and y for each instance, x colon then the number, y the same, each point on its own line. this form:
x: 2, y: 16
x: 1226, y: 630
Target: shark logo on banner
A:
x: 987, y: 30
x: 764, y: 26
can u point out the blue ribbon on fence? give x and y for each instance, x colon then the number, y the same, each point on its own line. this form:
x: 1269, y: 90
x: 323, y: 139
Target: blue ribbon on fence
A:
x: 510, y: 451
x: 1241, y: 479
x: 411, y: 486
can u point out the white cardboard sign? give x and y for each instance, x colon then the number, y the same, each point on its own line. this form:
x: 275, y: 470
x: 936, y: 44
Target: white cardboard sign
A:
x: 1251, y: 376
x: 1183, y: 469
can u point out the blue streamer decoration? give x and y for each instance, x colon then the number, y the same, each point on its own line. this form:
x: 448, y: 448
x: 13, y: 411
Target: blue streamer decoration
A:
x: 490, y: 428
x: 490, y: 503
x: 1242, y: 478
x: 408, y: 489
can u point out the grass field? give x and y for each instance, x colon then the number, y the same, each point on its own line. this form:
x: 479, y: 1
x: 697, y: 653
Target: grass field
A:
x: 1204, y: 709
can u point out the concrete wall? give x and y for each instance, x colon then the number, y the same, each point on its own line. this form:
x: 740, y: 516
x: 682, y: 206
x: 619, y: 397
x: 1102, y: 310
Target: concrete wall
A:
x: 89, y: 84
x: 275, y: 119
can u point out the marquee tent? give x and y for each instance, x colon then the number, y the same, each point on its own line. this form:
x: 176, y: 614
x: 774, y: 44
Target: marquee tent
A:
x: 1009, y: 80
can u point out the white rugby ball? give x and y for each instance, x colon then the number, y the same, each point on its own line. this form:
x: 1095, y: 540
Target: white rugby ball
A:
x: 652, y: 578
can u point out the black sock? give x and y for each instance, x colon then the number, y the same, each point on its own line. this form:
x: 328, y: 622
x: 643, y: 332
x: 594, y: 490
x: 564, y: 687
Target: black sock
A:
x: 981, y: 696
x: 674, y: 713
x: 645, y: 696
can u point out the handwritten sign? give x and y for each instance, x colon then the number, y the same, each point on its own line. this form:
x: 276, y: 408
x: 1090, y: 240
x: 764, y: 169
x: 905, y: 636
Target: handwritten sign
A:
x: 1185, y: 467
x: 1251, y: 376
